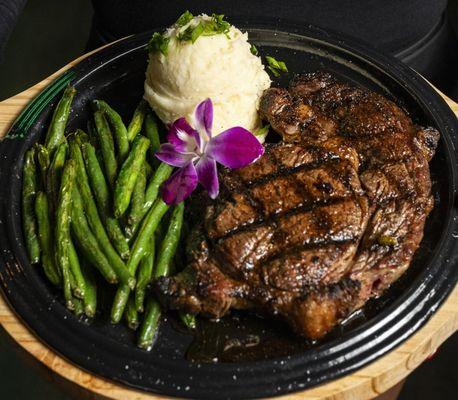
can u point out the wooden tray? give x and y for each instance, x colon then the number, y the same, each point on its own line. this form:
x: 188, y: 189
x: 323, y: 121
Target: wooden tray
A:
x: 365, y: 383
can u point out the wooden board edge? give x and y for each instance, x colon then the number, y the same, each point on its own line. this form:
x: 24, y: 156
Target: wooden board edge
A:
x: 365, y: 383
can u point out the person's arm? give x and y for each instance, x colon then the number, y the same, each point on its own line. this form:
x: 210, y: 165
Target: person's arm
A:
x: 9, y: 12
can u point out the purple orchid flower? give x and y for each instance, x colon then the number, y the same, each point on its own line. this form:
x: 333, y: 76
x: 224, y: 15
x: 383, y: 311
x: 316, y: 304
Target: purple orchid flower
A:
x: 195, y: 152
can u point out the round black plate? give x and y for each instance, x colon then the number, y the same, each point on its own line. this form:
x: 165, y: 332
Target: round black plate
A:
x: 116, y: 74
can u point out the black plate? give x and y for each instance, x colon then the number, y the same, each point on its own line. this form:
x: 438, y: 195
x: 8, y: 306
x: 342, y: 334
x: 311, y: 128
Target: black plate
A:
x: 116, y: 74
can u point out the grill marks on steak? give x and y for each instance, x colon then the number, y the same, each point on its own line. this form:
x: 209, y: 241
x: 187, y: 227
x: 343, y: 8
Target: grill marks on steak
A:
x: 308, y: 197
x: 293, y: 177
x: 303, y: 232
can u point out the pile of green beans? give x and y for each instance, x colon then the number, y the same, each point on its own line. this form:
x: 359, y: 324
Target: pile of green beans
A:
x: 92, y: 213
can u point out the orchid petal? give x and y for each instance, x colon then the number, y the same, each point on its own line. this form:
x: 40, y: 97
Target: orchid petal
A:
x: 180, y: 185
x: 168, y: 154
x: 208, y: 175
x: 203, y: 117
x: 183, y: 136
x: 235, y: 148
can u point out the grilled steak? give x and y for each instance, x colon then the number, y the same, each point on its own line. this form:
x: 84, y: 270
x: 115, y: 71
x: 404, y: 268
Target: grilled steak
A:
x: 326, y: 219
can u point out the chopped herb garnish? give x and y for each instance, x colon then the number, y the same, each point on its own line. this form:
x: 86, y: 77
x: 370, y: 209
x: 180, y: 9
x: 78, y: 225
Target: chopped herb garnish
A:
x: 274, y: 71
x: 185, y: 36
x: 262, y: 131
x: 276, y: 66
x: 198, y: 30
x: 254, y: 50
x: 192, y: 33
x: 159, y: 42
x: 213, y: 26
x: 184, y: 19
x: 385, y: 240
x: 219, y: 24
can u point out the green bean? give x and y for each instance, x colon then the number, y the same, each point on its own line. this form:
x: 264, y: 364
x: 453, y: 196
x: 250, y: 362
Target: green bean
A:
x: 188, y: 320
x: 46, y: 240
x: 136, y: 214
x: 138, y: 198
x: 82, y: 137
x: 56, y: 131
x: 87, y: 242
x: 90, y: 297
x: 152, y: 133
x: 142, y: 243
x: 106, y: 146
x: 93, y: 139
x: 78, y: 306
x: 167, y: 251
x: 128, y: 176
x: 144, y: 277
x: 29, y: 223
x: 118, y: 128
x: 54, y: 175
x: 170, y: 242
x: 117, y: 237
x: 94, y: 221
x: 75, y: 298
x: 149, y: 325
x: 96, y: 177
x: 102, y: 197
x: 43, y: 163
x: 131, y: 314
x: 119, y: 303
x: 136, y: 123
x: 79, y: 288
x: 62, y: 236
x: 152, y: 190
x: 139, y: 250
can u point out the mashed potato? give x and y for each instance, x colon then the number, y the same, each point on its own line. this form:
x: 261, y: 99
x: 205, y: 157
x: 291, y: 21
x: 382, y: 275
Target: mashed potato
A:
x: 220, y: 67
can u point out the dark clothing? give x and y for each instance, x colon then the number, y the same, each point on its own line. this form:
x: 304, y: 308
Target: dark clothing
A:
x: 390, y: 25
